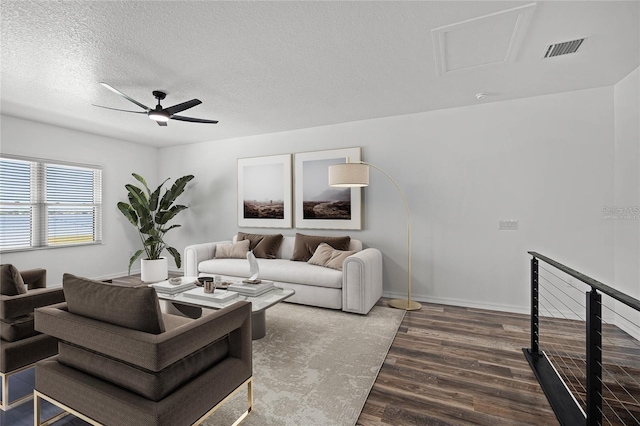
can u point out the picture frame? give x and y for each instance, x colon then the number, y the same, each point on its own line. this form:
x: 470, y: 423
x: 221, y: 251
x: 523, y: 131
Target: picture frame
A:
x: 264, y: 192
x: 317, y: 205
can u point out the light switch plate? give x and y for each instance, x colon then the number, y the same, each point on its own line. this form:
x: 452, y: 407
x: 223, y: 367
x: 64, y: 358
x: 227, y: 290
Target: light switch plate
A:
x: 508, y: 225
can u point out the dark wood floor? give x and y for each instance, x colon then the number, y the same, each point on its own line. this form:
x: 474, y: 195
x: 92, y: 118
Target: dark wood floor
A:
x: 453, y: 366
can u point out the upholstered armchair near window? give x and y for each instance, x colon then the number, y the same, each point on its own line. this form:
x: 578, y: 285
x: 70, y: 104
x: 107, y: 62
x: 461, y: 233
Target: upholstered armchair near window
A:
x: 20, y: 345
x: 123, y: 362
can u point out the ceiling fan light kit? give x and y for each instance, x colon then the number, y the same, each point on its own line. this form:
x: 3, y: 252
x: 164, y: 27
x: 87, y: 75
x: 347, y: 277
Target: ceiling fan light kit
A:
x: 160, y: 115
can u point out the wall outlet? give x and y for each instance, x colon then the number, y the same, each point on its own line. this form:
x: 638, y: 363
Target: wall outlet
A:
x: 508, y: 225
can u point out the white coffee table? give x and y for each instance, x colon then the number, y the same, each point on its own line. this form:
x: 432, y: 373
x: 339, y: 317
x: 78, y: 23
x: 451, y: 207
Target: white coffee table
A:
x: 259, y: 305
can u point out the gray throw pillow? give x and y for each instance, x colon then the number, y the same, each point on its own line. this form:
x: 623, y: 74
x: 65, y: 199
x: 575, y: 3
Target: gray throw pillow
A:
x: 136, y: 308
x: 305, y: 245
x: 11, y: 282
x: 238, y: 250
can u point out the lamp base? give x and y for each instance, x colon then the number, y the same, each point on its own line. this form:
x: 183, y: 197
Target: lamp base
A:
x: 407, y: 305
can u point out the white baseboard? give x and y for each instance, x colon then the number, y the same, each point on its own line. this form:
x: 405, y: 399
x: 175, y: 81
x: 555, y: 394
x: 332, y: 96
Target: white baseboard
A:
x: 526, y: 310
x: 116, y: 275
x: 103, y: 277
x: 461, y: 302
x: 125, y: 273
x: 624, y: 326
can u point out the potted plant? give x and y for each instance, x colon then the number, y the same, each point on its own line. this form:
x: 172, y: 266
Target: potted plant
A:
x: 150, y: 214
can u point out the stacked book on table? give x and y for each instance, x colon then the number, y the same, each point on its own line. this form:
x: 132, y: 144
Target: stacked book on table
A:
x: 251, y: 290
x: 168, y: 288
x: 219, y: 296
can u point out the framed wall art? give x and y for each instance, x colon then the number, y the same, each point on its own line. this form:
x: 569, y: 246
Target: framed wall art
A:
x: 319, y: 206
x: 264, y: 191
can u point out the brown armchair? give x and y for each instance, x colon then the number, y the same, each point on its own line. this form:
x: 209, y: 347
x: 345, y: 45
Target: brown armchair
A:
x: 123, y: 362
x: 20, y: 345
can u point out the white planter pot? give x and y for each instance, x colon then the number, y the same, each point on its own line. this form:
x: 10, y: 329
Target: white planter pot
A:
x: 152, y: 271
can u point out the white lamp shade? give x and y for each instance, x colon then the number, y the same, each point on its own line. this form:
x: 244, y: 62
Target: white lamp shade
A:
x: 349, y: 175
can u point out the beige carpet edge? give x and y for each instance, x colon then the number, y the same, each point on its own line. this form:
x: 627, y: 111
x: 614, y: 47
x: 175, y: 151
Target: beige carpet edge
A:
x: 384, y: 357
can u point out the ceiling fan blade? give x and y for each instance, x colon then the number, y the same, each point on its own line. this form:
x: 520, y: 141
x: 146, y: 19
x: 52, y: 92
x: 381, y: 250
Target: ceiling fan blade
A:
x: 116, y: 109
x: 192, y: 120
x: 181, y: 107
x: 161, y: 123
x: 116, y: 91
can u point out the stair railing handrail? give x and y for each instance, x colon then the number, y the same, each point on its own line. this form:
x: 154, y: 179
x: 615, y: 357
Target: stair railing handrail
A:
x: 616, y: 294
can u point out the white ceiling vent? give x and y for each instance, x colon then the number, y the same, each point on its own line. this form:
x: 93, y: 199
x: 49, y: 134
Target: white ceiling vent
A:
x: 564, y: 48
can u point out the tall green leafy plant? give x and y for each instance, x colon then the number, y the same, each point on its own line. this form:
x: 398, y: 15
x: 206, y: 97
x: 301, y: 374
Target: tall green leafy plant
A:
x: 150, y: 214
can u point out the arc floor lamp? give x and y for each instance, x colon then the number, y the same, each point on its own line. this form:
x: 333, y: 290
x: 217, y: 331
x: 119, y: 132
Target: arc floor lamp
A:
x: 356, y: 174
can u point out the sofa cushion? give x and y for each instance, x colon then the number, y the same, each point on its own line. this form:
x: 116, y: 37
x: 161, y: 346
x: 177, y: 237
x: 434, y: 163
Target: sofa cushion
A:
x: 11, y: 282
x: 237, y: 250
x: 136, y: 308
x: 152, y: 385
x: 18, y: 328
x: 263, y: 246
x: 305, y: 245
x: 277, y: 270
x: 329, y: 257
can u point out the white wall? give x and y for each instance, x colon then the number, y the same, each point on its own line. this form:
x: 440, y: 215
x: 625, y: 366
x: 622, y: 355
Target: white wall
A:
x: 546, y: 161
x: 118, y: 159
x: 627, y: 194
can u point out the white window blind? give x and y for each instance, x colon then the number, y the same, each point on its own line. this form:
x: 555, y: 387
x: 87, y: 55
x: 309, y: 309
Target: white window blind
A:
x: 48, y: 204
x: 16, y: 207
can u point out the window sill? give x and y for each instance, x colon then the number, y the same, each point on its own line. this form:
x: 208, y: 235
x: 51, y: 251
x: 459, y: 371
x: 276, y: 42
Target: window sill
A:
x: 18, y: 250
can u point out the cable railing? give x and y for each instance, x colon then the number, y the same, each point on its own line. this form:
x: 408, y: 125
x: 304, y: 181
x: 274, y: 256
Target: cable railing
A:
x: 585, y: 347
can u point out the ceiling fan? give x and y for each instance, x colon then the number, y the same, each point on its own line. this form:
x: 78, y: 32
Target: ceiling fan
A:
x: 158, y: 114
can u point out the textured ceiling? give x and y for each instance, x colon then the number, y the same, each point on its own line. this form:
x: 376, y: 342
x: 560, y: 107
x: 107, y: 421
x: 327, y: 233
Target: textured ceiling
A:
x: 262, y: 67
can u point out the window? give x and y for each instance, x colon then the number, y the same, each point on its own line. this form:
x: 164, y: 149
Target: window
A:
x: 48, y: 204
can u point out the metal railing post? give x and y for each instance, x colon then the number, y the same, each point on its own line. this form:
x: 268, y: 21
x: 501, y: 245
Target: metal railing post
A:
x: 535, y: 322
x: 594, y: 358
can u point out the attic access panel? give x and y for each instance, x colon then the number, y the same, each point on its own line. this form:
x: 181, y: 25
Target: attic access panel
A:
x: 487, y: 40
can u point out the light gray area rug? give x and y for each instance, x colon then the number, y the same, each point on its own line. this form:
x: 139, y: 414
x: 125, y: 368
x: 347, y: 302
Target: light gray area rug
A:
x: 314, y: 367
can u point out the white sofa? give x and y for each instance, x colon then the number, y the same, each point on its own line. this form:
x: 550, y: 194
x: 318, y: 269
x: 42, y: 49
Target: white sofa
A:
x: 356, y: 288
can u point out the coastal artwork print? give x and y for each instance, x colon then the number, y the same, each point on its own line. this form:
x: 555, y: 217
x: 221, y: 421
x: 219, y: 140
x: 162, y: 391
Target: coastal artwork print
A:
x: 264, y: 191
x: 317, y: 205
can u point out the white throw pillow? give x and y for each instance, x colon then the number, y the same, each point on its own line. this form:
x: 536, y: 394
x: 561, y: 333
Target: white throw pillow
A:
x: 327, y: 256
x: 238, y: 250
